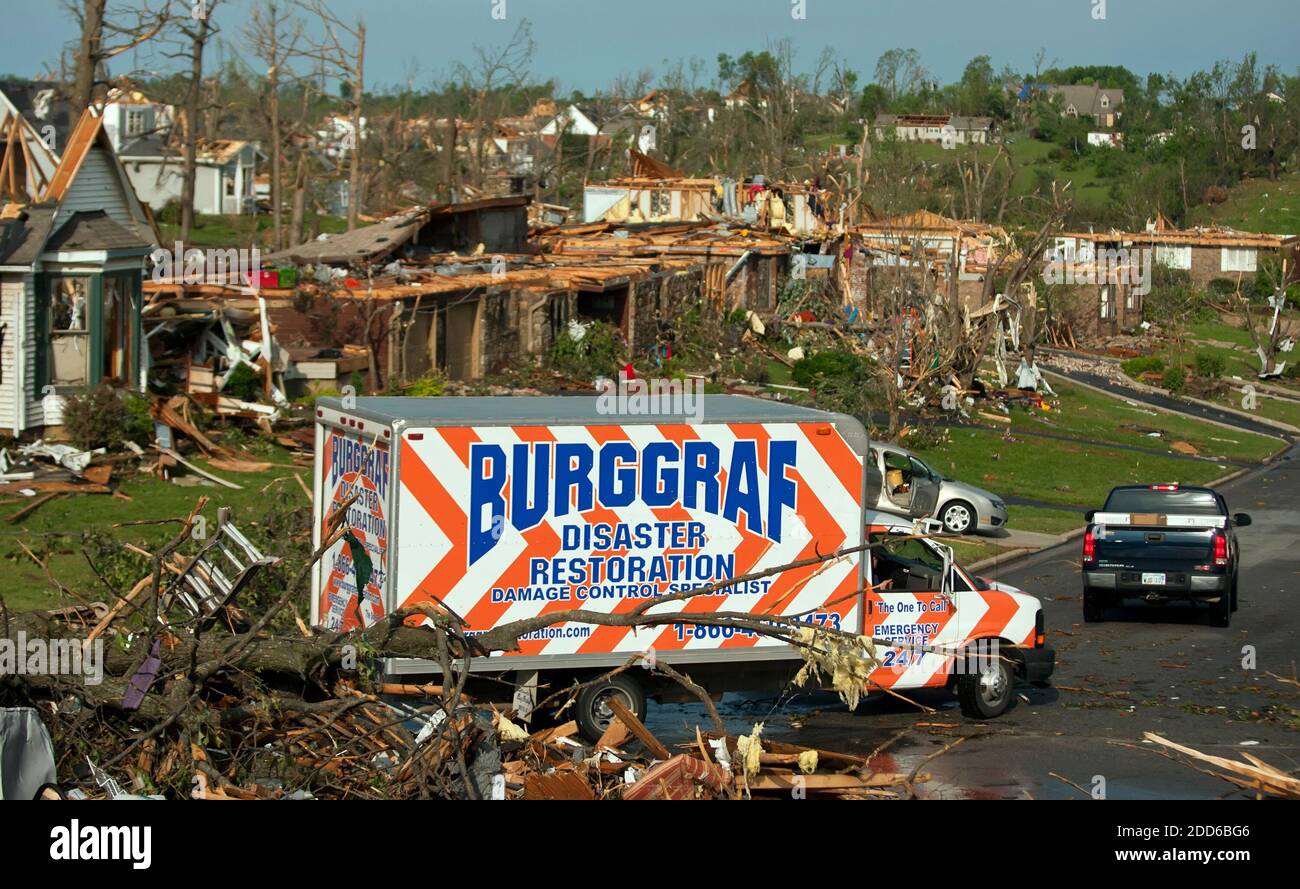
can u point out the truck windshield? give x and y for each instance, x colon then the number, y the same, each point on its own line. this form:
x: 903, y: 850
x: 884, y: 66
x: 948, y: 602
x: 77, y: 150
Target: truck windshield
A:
x: 1182, y: 502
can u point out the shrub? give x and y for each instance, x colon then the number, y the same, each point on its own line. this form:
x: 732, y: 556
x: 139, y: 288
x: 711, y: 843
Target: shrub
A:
x: 431, y: 385
x: 599, y: 352
x: 244, y: 383
x: 1211, y: 365
x: 1175, y: 379
x: 104, y: 416
x: 813, y: 372
x: 1215, y: 194
x: 1135, y: 367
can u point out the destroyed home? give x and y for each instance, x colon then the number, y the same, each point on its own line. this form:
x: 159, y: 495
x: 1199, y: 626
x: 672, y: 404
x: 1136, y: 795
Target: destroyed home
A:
x: 1207, y: 255
x: 911, y: 242
x: 72, y: 259
x: 938, y: 128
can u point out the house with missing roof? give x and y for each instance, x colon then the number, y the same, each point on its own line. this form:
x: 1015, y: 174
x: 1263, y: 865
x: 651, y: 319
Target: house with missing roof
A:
x: 73, y: 249
x: 224, y: 179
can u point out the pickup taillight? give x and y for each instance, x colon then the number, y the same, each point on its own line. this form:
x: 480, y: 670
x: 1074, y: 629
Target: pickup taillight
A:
x: 1220, y: 548
x: 1089, y: 547
x: 1040, y: 638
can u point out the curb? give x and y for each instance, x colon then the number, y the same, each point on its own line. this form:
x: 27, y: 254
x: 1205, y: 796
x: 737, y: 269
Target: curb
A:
x: 1144, y: 389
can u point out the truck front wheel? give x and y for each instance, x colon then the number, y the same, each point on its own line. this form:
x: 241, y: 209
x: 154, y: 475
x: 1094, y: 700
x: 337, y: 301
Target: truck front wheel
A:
x: 594, y: 713
x: 986, y: 694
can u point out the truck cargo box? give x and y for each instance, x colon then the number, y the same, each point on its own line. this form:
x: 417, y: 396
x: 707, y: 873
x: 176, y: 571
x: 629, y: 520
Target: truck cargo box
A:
x: 513, y: 507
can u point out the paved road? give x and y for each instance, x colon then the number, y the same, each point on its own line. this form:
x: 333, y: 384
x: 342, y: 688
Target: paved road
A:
x: 1171, y: 404
x: 1165, y: 671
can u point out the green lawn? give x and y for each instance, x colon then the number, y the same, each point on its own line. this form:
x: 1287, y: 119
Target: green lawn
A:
x: 1090, y: 414
x: 1044, y: 521
x: 238, y: 231
x: 1257, y: 205
x: 62, y: 531
x: 1057, y: 472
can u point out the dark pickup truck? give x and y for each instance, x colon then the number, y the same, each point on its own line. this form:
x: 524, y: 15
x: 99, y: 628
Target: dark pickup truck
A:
x: 1161, y: 543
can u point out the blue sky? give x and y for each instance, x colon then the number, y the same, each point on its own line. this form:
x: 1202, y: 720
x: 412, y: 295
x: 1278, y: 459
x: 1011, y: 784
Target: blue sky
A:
x: 586, y: 44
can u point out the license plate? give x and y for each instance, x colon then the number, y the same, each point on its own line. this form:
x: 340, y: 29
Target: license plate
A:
x: 1153, y: 579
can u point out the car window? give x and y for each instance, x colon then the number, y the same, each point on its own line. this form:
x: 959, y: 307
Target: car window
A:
x: 920, y: 469
x: 895, y: 460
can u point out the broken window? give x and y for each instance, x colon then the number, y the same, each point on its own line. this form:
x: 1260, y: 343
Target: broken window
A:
x: 69, y: 358
x: 1238, y: 259
x: 116, y: 321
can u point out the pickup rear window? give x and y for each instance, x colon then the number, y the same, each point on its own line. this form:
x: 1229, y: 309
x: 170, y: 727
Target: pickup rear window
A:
x: 1183, y: 502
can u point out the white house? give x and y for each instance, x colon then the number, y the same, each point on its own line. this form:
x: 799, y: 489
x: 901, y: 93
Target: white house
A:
x: 130, y: 115
x: 224, y: 180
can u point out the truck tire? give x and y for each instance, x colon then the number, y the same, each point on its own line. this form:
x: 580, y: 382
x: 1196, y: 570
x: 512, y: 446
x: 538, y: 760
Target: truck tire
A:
x: 1234, y: 593
x: 1221, y: 611
x: 593, y: 711
x: 959, y: 517
x: 988, y: 693
x: 1094, y: 606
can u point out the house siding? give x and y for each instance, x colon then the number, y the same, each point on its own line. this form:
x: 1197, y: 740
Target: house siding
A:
x: 14, y: 290
x: 96, y: 187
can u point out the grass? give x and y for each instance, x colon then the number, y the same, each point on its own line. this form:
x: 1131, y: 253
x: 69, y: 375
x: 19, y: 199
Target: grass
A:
x: 1088, y: 414
x: 1057, y: 472
x: 1044, y: 521
x: 237, y: 231
x: 59, y: 530
x: 1259, y: 205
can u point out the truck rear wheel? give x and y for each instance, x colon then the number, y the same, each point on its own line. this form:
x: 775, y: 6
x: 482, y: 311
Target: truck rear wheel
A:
x: 1094, y: 606
x: 594, y: 713
x: 1221, y: 611
x: 1234, y: 594
x: 987, y: 694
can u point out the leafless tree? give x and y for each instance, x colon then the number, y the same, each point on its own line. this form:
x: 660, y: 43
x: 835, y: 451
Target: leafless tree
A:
x: 194, y: 24
x: 275, y: 37
x: 492, y: 73
x: 105, y: 34
x: 343, y: 48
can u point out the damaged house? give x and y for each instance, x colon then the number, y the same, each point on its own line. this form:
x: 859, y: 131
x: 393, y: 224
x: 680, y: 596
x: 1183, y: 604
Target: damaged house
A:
x: 72, y: 259
x: 461, y: 288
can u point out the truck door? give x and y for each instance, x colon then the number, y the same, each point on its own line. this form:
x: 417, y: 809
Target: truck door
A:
x: 910, y: 603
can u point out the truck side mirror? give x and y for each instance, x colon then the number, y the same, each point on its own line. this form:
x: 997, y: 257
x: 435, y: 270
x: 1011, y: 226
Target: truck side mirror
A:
x: 1087, y: 516
x: 1241, y: 520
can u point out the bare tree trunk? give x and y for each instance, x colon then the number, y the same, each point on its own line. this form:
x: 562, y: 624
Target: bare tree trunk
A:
x: 189, y: 168
x: 358, y: 85
x: 299, y: 201
x: 89, y: 54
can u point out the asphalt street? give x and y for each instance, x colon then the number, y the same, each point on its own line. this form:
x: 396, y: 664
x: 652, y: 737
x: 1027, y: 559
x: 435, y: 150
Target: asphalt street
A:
x: 1162, y: 670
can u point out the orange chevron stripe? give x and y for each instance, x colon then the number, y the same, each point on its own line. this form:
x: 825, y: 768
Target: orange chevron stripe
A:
x: 447, y: 513
x: 1002, y: 608
x: 839, y: 457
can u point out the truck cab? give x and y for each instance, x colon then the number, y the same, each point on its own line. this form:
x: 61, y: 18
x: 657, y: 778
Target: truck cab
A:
x: 952, y: 629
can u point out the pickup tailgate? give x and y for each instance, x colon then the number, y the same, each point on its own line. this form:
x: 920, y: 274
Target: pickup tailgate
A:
x: 1121, y: 547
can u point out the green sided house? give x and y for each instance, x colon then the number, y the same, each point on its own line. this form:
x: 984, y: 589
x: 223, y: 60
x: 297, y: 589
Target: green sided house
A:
x: 72, y: 261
